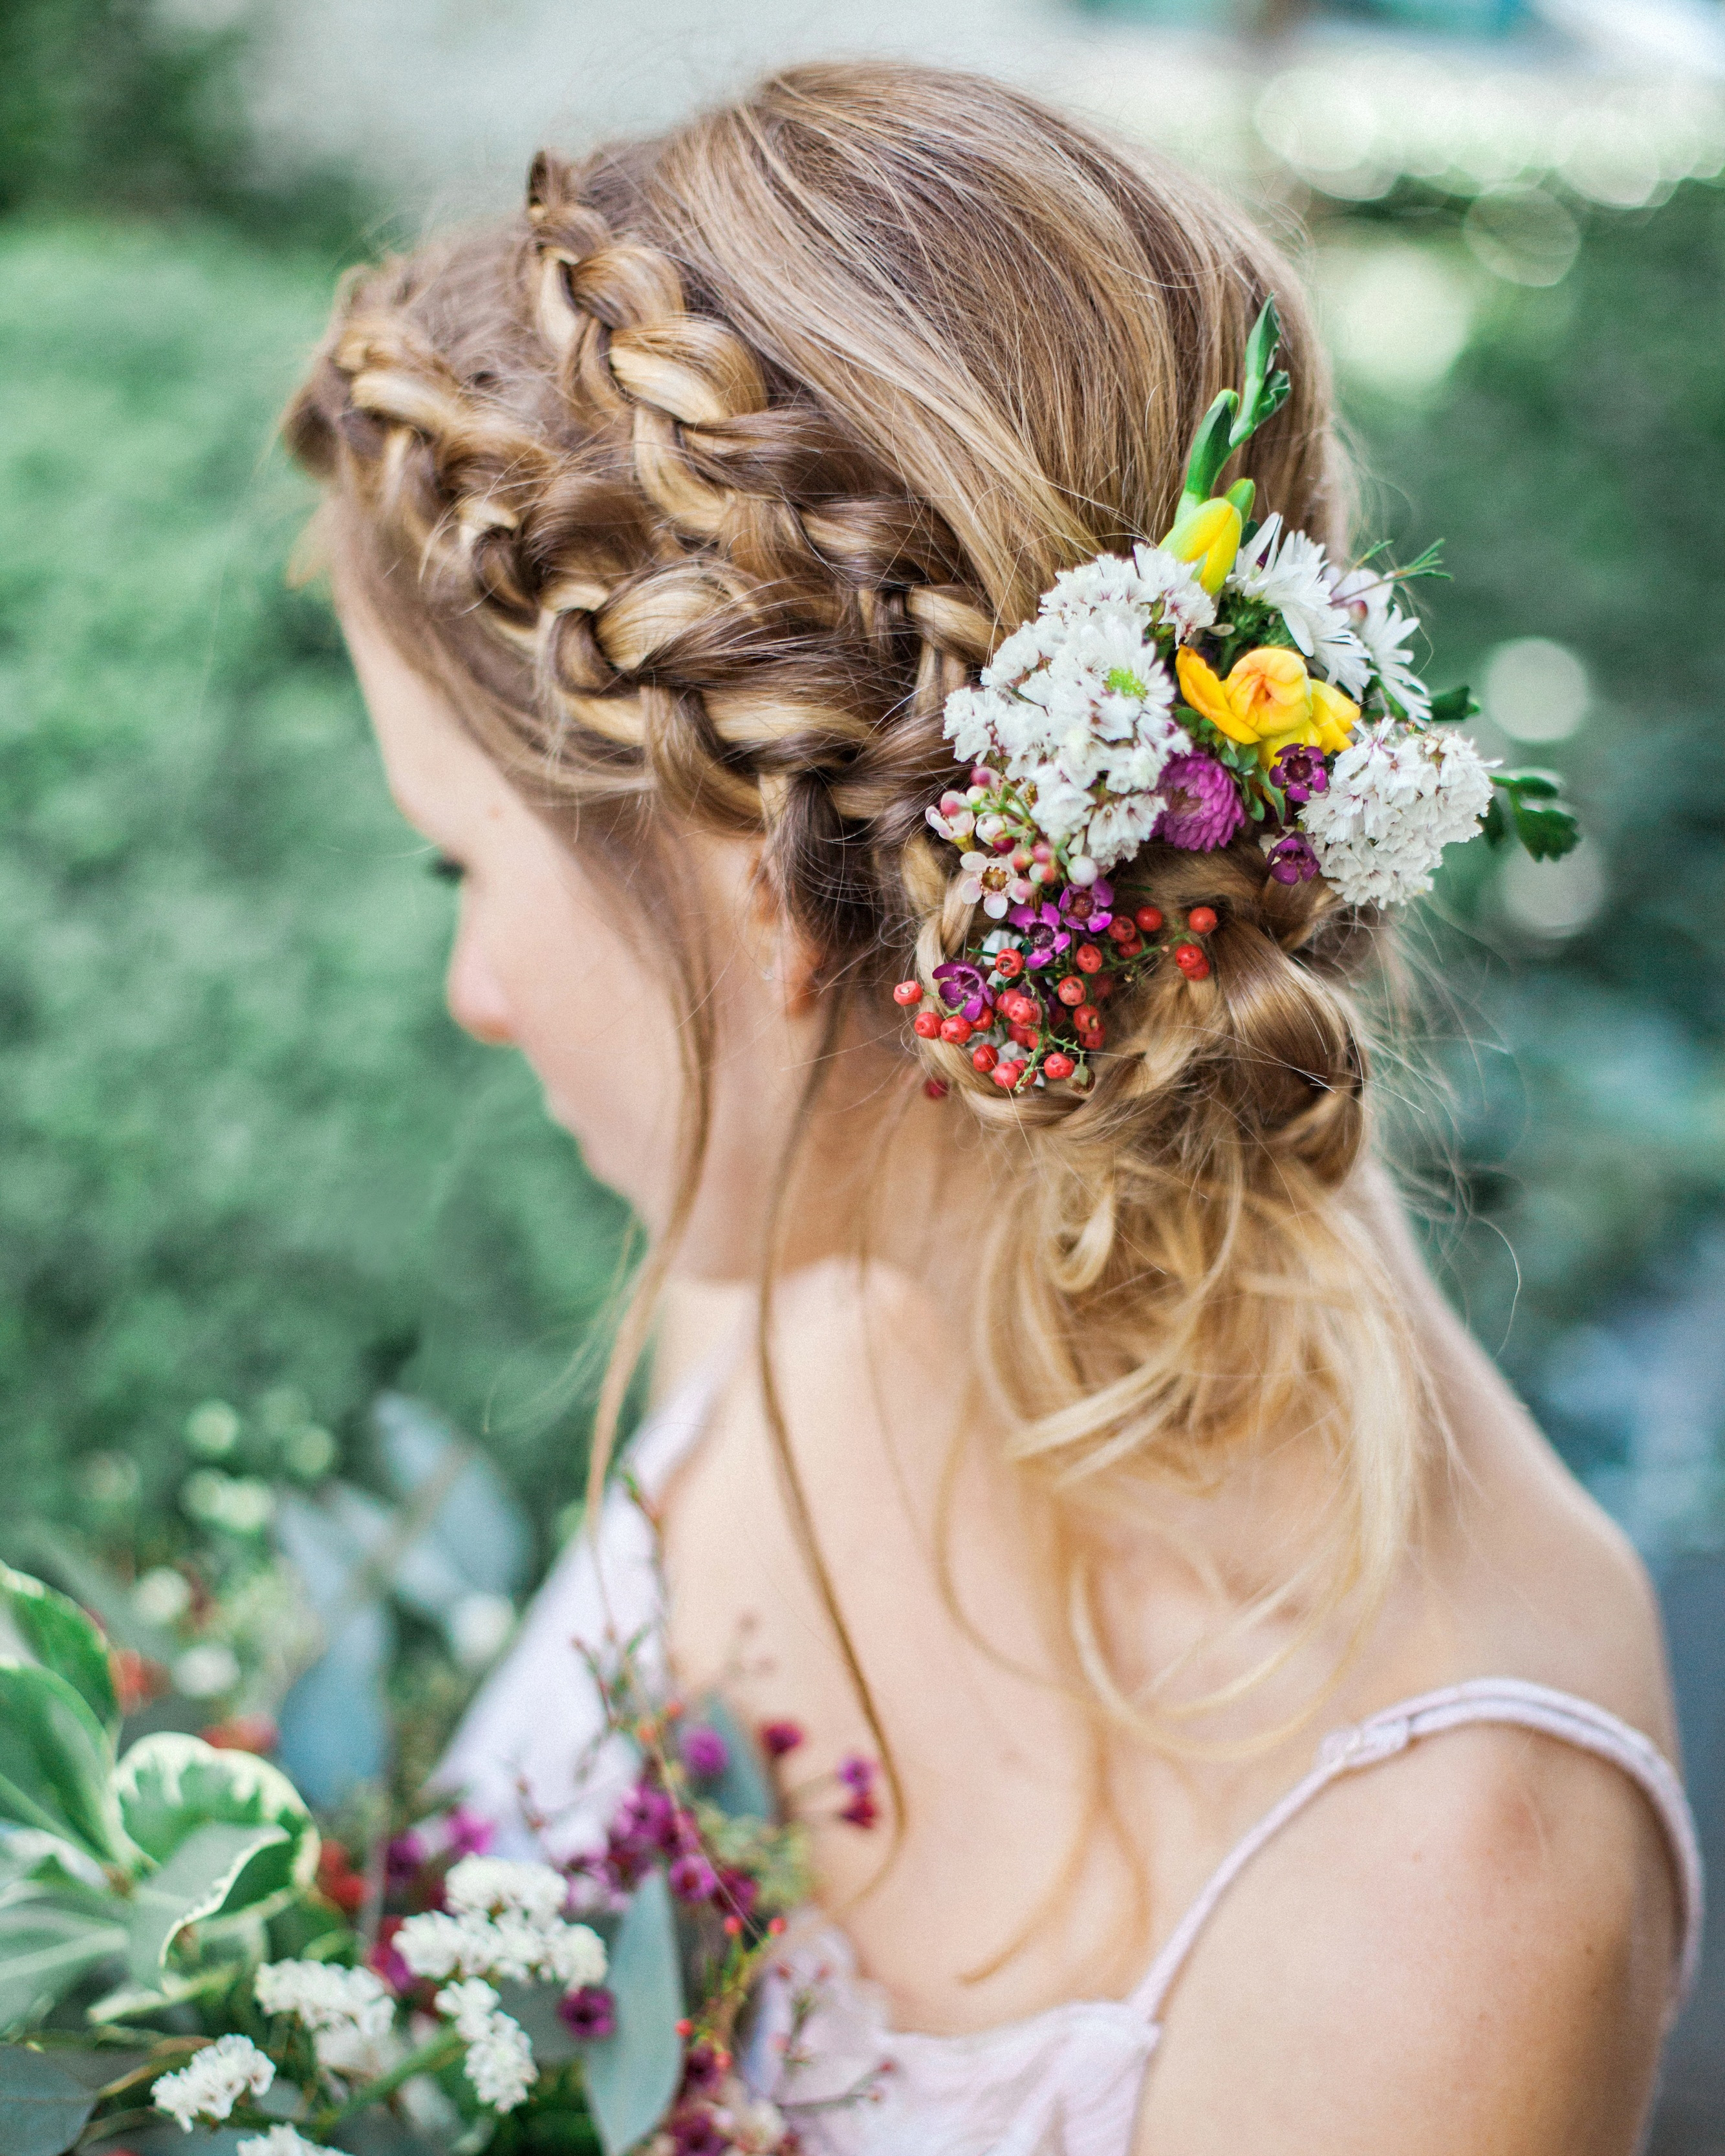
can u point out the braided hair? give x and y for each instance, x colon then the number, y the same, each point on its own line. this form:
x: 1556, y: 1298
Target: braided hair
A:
x: 704, y: 481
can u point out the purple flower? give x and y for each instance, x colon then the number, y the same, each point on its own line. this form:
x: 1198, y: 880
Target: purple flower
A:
x: 402, y: 1861
x: 1045, y: 935
x: 1201, y: 807
x: 695, y: 2133
x: 706, y: 1754
x: 1291, y: 859
x: 857, y: 1772
x: 468, y: 1834
x: 739, y: 1892
x: 693, y: 1879
x: 703, y: 2068
x: 1088, y: 910
x: 589, y: 2013
x: 1300, y: 773
x: 964, y: 987
x: 780, y: 1738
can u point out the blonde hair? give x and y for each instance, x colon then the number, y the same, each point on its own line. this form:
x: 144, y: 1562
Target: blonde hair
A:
x: 702, y: 484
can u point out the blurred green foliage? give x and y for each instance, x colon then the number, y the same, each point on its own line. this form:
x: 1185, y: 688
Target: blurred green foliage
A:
x: 244, y: 1147
x: 1574, y: 464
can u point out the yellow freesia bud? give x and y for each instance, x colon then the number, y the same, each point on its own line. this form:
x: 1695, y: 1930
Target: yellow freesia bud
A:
x: 1207, y: 693
x: 1334, y: 716
x: 1271, y: 690
x: 1209, y: 537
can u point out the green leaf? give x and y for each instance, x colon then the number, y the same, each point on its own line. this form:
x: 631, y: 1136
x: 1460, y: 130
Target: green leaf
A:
x: 197, y: 1880
x: 46, y: 1947
x: 631, y: 2078
x: 56, y: 1763
x: 1211, y: 449
x: 1453, y: 704
x: 43, y: 2110
x: 169, y: 1785
x: 1548, y: 833
x: 1496, y: 825
x: 63, y: 1639
x: 1544, y: 785
x: 743, y: 1790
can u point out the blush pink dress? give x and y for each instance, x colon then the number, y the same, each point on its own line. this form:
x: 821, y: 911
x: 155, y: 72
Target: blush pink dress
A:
x: 1066, y: 2082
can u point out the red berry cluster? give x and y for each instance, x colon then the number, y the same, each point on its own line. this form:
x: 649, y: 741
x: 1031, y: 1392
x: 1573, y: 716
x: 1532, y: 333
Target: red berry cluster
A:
x: 1043, y: 1026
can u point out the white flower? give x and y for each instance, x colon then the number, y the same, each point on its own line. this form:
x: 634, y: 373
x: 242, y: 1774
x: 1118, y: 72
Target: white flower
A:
x: 500, y: 2064
x: 484, y: 1884
x: 437, y: 1944
x: 1394, y: 801
x: 1291, y: 572
x: 500, y: 2058
x: 326, y: 1997
x: 574, y: 1955
x: 1385, y: 631
x: 469, y: 2005
x: 279, y: 2141
x: 1185, y: 604
x: 212, y: 2081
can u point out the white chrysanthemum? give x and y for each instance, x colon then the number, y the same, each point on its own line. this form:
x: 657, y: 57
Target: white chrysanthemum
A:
x: 279, y: 2141
x: 212, y: 2081
x: 1174, y: 585
x: 1386, y: 633
x: 324, y: 1996
x: 1394, y: 801
x: 486, y: 1885
x: 1291, y: 572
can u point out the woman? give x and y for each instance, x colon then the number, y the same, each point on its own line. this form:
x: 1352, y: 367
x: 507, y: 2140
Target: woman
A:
x: 1106, y: 1444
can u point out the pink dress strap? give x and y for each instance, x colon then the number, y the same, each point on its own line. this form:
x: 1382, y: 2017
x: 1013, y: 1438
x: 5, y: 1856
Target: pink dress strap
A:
x: 1380, y: 1737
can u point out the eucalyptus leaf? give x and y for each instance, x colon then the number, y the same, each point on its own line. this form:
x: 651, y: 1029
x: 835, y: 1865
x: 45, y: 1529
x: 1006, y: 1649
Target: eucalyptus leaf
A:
x: 334, y: 1723
x: 200, y: 1879
x: 56, y: 1763
x: 169, y: 1785
x: 534, y: 2007
x: 631, y: 2078
x: 63, y: 1639
x: 477, y: 1524
x: 46, y: 1947
x: 43, y: 2109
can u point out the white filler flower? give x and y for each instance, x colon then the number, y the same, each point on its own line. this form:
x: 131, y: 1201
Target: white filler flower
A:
x: 504, y: 1919
x: 499, y: 2058
x: 1394, y: 801
x: 212, y: 2081
x: 324, y: 1996
x: 279, y: 2141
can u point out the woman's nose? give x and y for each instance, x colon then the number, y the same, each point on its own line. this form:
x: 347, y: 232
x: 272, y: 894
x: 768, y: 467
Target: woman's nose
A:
x: 475, y: 996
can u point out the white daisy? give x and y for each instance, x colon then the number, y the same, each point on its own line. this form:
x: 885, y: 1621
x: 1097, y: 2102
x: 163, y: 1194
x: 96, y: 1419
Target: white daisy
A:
x: 1386, y: 632
x: 1291, y: 572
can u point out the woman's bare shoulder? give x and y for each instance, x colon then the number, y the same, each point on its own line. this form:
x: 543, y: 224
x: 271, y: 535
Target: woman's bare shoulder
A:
x: 1467, y: 1946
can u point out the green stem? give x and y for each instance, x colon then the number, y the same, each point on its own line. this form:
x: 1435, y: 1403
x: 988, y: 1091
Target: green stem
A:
x: 436, y: 2051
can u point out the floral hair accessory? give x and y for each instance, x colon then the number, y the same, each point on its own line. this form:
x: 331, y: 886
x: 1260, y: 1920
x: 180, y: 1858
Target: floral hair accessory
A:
x: 1230, y: 681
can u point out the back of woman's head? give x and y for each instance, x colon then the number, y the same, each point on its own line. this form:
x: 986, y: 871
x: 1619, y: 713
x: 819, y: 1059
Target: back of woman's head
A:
x: 706, y: 482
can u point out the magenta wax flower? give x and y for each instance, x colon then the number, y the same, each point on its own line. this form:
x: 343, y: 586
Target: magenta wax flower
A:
x: 589, y: 2013
x: 402, y: 1859
x: 1300, y: 773
x: 467, y: 1835
x: 702, y: 2072
x: 739, y: 1892
x: 861, y: 1811
x: 1291, y: 859
x: 693, y: 1879
x: 1088, y: 908
x: 1045, y: 934
x: 963, y: 987
x: 697, y: 2133
x: 1201, y: 808
x: 382, y: 1960
x: 778, y: 1738
x: 857, y: 1772
x: 706, y: 1754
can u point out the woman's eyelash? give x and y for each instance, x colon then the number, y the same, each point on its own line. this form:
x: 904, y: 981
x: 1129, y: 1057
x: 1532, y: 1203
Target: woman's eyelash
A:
x: 446, y: 868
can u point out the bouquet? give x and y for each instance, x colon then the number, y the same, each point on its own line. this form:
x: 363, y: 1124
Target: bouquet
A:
x: 174, y: 1946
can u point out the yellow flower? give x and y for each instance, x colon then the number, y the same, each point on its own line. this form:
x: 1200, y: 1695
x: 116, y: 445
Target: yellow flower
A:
x: 1208, y: 536
x: 1269, y: 698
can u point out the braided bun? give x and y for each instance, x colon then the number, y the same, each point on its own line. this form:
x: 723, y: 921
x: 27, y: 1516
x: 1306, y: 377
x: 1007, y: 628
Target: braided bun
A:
x: 708, y: 481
